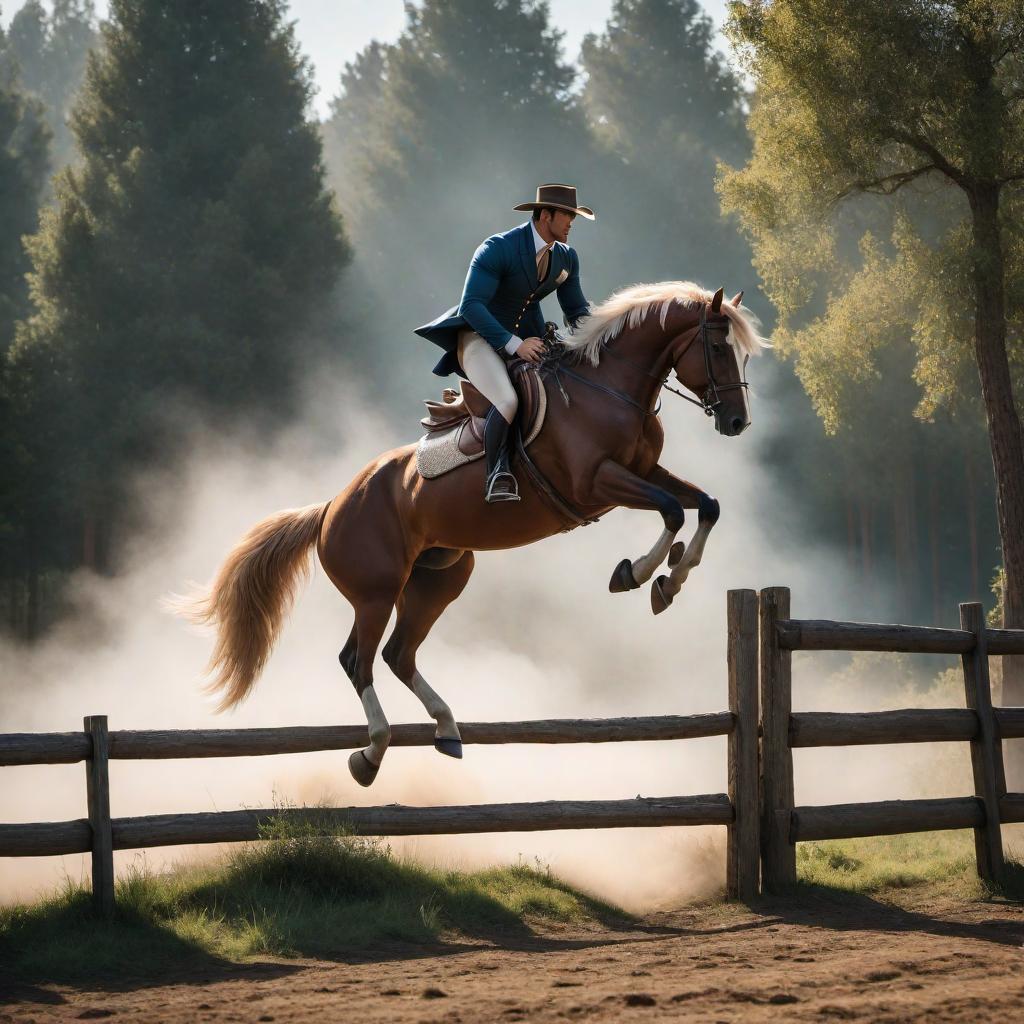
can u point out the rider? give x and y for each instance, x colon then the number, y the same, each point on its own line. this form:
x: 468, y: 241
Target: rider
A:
x: 499, y: 315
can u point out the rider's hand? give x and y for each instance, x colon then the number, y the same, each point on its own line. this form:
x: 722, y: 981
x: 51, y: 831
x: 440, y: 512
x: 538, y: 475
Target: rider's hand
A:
x: 531, y: 349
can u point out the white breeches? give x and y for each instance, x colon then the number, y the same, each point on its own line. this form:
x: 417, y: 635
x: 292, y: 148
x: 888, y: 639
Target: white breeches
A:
x: 487, y: 371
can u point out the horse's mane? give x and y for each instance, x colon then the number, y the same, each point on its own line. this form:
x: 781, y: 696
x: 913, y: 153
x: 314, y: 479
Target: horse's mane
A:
x: 629, y: 306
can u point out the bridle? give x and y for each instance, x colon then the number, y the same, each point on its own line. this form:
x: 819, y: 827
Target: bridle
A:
x: 709, y: 401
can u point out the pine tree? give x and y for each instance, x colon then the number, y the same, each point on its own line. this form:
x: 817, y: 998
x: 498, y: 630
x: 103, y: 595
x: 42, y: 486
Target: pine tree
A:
x: 24, y: 160
x: 24, y: 142
x: 434, y: 139
x: 666, y: 108
x: 50, y: 51
x: 190, y: 247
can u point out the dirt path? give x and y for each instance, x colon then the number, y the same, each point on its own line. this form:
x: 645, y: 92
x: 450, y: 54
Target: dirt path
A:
x: 826, y: 959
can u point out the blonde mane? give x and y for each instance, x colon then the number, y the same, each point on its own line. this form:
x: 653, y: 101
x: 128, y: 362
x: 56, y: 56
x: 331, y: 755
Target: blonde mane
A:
x: 629, y: 306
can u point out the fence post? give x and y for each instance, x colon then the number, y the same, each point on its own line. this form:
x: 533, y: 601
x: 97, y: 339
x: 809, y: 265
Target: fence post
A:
x: 986, y: 747
x: 778, y: 853
x: 744, y: 847
x: 98, y: 791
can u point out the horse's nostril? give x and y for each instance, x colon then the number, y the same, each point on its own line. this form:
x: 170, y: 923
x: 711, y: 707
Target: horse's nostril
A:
x: 737, y: 424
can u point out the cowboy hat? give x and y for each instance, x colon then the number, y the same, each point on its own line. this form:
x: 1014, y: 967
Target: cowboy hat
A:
x: 561, y: 197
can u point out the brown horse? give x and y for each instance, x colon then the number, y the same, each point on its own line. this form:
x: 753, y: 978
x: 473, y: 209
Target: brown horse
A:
x: 393, y: 538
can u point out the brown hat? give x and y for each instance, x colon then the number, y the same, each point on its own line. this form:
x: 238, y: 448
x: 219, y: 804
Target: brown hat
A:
x: 561, y: 197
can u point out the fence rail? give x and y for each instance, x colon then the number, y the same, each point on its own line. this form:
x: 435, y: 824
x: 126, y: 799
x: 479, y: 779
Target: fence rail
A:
x: 885, y: 818
x: 759, y: 810
x: 153, y: 744
x: 913, y: 725
x: 979, y: 724
x: 395, y: 820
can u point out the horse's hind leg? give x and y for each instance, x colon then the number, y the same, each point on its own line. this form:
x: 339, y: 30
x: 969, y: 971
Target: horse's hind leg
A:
x: 347, y: 657
x: 426, y: 595
x: 357, y: 660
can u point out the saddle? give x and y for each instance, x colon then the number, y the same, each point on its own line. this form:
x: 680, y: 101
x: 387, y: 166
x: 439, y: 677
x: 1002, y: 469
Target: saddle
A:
x: 469, y: 408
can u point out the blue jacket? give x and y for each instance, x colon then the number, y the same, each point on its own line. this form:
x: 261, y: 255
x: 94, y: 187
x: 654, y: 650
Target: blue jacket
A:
x: 501, y: 279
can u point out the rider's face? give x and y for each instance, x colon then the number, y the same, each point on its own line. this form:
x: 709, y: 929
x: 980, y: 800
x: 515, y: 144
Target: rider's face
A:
x: 559, y: 224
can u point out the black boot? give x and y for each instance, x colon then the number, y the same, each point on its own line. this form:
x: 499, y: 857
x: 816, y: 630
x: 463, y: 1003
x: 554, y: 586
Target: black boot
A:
x: 500, y: 484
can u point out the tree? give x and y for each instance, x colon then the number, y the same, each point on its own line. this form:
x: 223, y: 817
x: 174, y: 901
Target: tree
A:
x: 433, y: 139
x: 190, y: 249
x: 24, y: 154
x: 918, y: 103
x: 666, y: 108
x: 24, y: 161
x: 50, y: 51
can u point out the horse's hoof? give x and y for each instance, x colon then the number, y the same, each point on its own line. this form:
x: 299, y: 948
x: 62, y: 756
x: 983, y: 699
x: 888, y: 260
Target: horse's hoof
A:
x: 676, y: 552
x: 622, y: 579
x: 453, y: 748
x: 363, y: 770
x: 659, y: 599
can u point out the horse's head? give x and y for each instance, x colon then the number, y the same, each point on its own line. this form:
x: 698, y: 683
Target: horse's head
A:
x: 712, y: 367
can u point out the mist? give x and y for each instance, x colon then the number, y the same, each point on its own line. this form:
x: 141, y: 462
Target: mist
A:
x: 536, y: 634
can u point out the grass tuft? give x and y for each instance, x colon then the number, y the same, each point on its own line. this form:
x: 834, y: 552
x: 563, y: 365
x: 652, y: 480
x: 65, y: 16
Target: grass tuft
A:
x: 305, y: 889
x: 942, y: 862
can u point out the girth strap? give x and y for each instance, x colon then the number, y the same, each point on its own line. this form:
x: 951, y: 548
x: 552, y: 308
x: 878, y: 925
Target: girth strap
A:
x: 548, y: 492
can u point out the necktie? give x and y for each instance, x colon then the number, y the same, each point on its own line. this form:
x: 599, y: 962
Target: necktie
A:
x: 543, y: 258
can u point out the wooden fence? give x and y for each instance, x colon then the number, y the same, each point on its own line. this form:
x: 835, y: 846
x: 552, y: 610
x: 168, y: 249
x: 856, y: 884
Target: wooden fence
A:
x: 100, y: 835
x: 784, y: 824
x: 763, y: 822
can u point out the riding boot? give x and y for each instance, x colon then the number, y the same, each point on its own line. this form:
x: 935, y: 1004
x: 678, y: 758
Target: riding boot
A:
x: 500, y: 484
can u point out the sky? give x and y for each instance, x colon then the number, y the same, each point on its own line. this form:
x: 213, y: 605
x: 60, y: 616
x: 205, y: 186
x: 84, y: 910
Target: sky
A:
x: 332, y: 32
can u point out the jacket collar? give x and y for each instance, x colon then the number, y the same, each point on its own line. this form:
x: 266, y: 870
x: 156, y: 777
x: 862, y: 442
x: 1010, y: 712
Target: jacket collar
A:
x: 528, y: 254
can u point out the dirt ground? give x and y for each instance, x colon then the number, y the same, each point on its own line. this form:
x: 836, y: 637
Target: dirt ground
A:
x: 849, y: 958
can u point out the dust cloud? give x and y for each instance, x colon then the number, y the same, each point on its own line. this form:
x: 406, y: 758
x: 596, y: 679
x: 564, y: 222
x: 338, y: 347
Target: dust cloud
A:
x: 536, y: 634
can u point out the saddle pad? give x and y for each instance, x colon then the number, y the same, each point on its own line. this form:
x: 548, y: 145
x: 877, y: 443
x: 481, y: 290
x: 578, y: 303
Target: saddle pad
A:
x: 438, y: 452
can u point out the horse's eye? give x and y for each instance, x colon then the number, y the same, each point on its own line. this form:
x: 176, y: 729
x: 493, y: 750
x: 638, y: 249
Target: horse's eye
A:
x: 718, y: 348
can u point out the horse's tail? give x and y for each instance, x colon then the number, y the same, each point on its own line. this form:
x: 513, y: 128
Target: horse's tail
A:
x: 250, y: 596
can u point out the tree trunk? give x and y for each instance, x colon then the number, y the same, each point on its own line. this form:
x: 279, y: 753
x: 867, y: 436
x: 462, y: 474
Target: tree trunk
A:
x: 972, y: 523
x: 1004, y: 429
x: 933, y: 547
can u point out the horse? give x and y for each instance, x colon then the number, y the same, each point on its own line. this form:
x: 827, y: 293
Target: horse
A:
x: 393, y: 539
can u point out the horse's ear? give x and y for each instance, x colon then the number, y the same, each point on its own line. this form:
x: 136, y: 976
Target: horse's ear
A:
x: 716, y: 302
x: 737, y: 299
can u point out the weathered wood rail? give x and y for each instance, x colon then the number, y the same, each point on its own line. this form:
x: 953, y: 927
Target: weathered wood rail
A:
x: 983, y: 726
x: 100, y: 835
x: 156, y: 744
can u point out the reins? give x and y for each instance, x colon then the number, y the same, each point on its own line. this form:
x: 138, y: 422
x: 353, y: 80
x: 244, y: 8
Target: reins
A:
x: 552, y: 364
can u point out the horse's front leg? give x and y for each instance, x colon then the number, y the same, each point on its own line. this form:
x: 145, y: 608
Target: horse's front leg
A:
x: 616, y: 485
x: 683, y: 557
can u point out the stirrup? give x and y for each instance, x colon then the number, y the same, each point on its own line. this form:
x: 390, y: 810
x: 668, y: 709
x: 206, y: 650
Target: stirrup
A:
x: 492, y: 496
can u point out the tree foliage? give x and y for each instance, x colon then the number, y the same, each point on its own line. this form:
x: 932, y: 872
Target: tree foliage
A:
x: 876, y: 99
x: 896, y: 126
x: 24, y: 161
x: 435, y: 136
x: 665, y: 108
x: 187, y: 251
x: 50, y: 51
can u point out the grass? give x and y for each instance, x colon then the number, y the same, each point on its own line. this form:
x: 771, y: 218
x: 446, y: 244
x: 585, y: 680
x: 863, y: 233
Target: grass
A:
x: 939, y: 862
x: 304, y: 891
x: 299, y: 893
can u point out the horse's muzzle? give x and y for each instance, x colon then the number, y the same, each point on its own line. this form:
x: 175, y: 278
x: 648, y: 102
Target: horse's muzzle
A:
x: 731, y: 424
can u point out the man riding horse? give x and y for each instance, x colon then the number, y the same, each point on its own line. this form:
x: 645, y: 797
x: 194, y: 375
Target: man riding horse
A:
x: 499, y: 316
x: 398, y: 543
